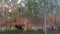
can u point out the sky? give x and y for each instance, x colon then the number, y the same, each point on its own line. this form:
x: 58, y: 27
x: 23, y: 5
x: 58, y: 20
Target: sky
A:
x: 19, y: 1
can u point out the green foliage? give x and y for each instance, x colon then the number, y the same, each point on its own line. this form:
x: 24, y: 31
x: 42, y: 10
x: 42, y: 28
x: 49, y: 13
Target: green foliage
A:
x: 33, y: 8
x: 39, y: 6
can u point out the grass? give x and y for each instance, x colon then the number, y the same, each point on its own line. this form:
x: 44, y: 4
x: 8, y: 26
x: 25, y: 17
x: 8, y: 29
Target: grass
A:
x: 28, y: 32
